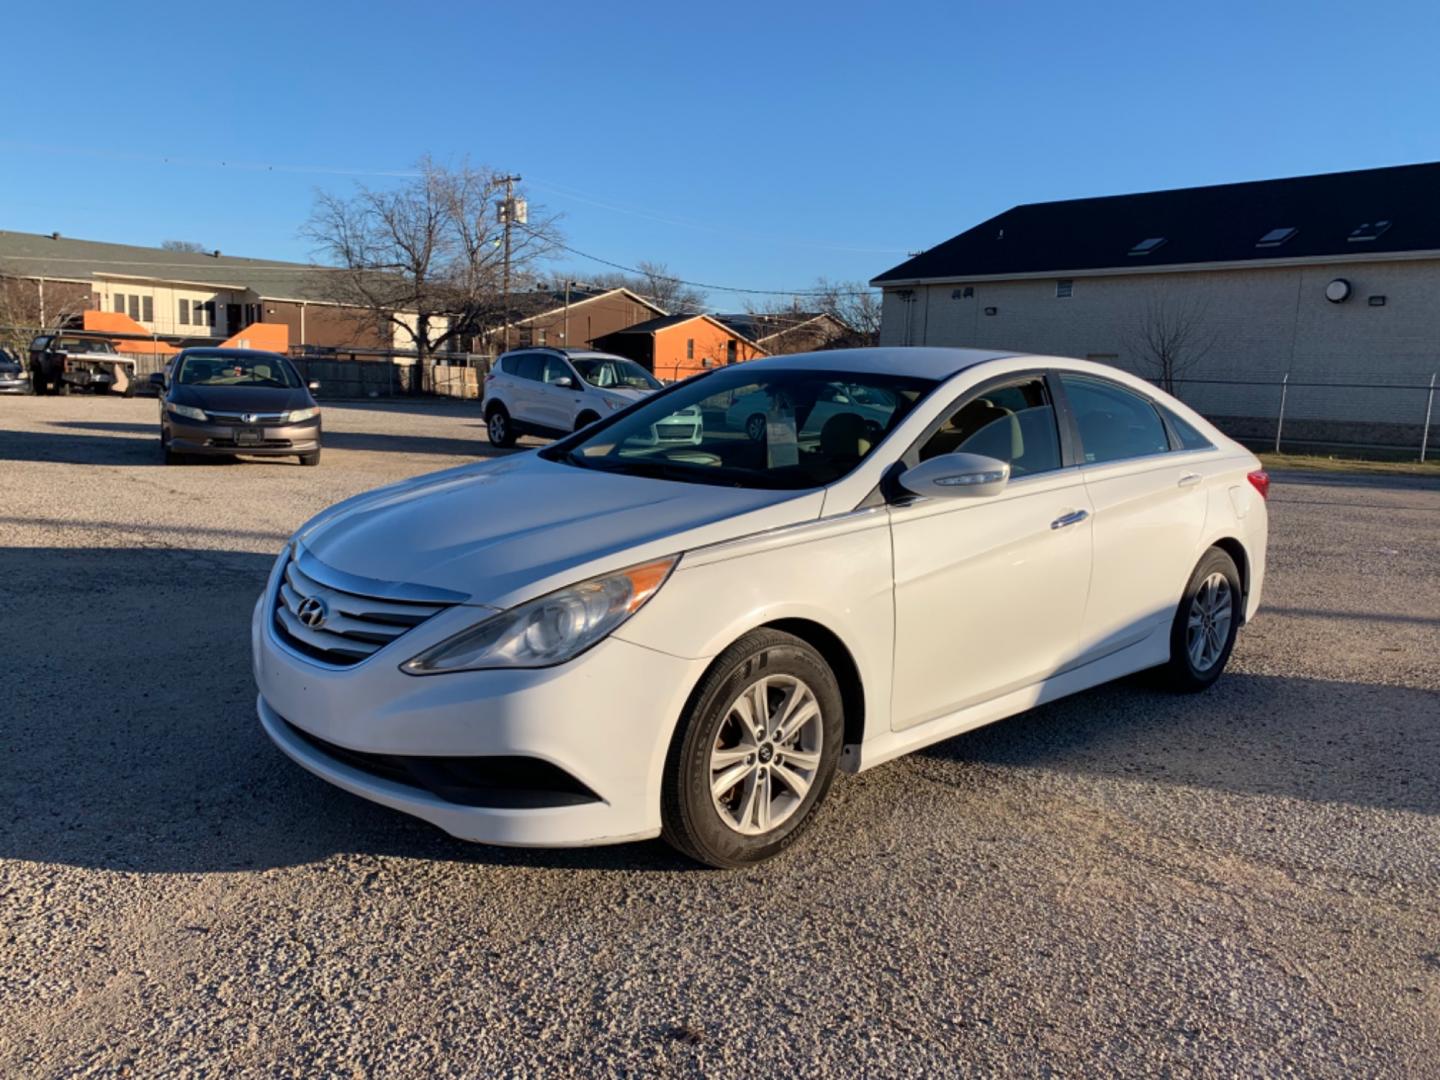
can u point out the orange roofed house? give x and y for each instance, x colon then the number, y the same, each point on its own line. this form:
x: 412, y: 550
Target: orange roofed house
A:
x: 677, y: 346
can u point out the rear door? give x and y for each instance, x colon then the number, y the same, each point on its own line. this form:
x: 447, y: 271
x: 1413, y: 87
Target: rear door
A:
x: 522, y: 388
x: 990, y: 592
x: 1149, y: 505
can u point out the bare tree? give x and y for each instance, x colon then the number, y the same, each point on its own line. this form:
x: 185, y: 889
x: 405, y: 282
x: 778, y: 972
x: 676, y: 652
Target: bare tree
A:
x: 655, y: 283
x: 851, y: 303
x: 425, y: 259
x: 25, y: 309
x: 183, y: 245
x: 855, y: 304
x: 1170, y: 336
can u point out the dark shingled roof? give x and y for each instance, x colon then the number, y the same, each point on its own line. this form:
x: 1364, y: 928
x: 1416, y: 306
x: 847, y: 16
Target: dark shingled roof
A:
x: 651, y: 325
x: 1217, y: 224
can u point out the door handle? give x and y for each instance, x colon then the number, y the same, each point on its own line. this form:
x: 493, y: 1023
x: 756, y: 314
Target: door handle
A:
x: 1190, y: 479
x: 1072, y: 518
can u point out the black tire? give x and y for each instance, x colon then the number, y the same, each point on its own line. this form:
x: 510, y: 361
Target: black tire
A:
x: 172, y: 458
x: 312, y: 458
x: 585, y: 419
x: 499, y: 427
x: 63, y: 388
x: 755, y: 427
x: 1183, y: 674
x: 691, y: 820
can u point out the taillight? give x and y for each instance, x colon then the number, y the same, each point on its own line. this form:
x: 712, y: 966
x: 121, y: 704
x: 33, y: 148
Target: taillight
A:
x: 1260, y: 481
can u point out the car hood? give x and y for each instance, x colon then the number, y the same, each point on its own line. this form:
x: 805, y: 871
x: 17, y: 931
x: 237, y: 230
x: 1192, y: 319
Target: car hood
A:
x: 504, y: 531
x: 260, y: 399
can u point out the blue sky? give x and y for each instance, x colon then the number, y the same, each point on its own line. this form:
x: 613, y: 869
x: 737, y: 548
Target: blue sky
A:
x: 759, y: 145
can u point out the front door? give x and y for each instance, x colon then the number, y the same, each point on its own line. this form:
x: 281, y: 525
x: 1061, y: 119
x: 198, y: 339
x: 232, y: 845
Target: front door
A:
x: 556, y: 405
x: 232, y: 319
x: 990, y: 591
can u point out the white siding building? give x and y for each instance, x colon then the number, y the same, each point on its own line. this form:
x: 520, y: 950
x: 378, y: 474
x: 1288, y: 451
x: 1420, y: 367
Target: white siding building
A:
x: 1330, y: 281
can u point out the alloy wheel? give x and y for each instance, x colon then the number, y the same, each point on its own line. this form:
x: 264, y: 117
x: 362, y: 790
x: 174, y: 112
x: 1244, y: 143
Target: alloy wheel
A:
x: 766, y: 754
x: 1208, y: 625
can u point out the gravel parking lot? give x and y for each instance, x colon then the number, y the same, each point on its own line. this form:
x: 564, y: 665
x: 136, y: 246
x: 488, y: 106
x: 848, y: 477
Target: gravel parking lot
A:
x: 1245, y: 882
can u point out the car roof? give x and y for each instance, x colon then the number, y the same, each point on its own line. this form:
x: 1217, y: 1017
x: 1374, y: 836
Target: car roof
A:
x: 924, y: 363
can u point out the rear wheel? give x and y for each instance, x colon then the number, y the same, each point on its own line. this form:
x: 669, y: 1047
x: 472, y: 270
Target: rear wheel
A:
x: 497, y: 425
x: 1203, y: 633
x: 756, y: 753
x: 63, y: 388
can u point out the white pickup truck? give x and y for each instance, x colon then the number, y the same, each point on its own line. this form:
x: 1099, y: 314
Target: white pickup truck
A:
x: 60, y: 362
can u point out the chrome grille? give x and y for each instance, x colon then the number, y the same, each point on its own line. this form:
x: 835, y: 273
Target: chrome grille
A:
x: 355, y: 622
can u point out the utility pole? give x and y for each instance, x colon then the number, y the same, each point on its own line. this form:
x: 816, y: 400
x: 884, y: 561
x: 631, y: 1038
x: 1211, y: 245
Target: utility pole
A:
x: 508, y: 211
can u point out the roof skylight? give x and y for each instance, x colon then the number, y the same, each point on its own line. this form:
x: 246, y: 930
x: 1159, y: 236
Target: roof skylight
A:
x: 1276, y: 237
x: 1145, y: 247
x: 1369, y: 231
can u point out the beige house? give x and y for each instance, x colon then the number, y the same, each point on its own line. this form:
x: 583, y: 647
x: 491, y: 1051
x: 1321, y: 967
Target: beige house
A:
x: 1329, y: 285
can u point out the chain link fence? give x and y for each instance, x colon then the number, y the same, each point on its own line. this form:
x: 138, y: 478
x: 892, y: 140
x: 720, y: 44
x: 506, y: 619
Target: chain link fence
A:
x: 1280, y: 410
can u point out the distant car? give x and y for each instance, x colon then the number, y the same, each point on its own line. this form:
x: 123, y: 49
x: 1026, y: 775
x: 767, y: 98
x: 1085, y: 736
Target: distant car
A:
x: 552, y: 392
x: 14, y: 379
x: 606, y: 640
x: 60, y: 363
x: 752, y: 411
x: 223, y: 402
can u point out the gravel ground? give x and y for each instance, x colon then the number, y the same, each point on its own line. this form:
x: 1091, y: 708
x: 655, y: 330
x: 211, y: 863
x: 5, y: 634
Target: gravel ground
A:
x: 1244, y: 882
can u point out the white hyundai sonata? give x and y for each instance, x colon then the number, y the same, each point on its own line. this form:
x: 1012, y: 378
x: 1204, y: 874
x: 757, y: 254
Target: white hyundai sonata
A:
x: 606, y: 639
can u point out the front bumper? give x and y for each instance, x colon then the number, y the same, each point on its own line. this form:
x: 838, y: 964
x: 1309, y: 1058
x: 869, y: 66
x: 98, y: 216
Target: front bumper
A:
x: 10, y: 385
x: 217, y: 437
x: 605, y: 719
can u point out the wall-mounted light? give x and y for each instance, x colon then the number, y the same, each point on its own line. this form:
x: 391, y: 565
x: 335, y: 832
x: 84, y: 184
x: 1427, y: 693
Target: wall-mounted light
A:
x: 992, y: 311
x: 1338, y: 291
x: 1376, y: 301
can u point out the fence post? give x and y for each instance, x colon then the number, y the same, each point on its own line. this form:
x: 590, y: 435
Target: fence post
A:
x: 1425, y: 433
x: 1280, y: 422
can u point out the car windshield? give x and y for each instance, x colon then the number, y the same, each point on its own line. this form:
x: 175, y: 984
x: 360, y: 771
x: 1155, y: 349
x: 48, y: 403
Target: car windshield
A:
x: 605, y: 372
x: 770, y: 428
x: 70, y: 344
x: 216, y: 370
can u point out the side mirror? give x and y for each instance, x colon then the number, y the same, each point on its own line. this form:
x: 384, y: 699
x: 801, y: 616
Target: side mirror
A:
x: 565, y: 382
x: 312, y: 386
x: 951, y: 476
x: 157, y: 380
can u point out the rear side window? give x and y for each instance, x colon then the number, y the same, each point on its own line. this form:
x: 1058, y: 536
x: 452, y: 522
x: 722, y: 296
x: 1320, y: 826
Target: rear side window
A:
x: 1014, y: 423
x: 528, y: 366
x: 1115, y: 423
x: 1190, y: 437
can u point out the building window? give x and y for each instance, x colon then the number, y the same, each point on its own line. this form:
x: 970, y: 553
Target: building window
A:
x: 730, y: 351
x: 1276, y: 237
x: 134, y: 301
x: 540, y: 336
x: 690, y: 348
x: 120, y: 302
x: 1063, y: 288
x: 149, y: 309
x: 1146, y: 246
x: 1368, y: 231
x: 526, y: 337
x: 184, y: 312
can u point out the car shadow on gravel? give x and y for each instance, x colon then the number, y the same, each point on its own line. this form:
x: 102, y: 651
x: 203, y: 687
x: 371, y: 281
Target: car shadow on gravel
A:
x: 73, y: 448
x: 130, y: 738
x: 1318, y: 740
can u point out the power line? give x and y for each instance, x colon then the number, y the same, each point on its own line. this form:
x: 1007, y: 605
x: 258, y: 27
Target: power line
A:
x: 701, y: 284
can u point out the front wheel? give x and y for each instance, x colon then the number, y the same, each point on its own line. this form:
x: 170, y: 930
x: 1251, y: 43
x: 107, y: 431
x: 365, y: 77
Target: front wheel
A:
x: 312, y: 458
x: 755, y: 754
x: 1203, y: 633
x: 585, y: 419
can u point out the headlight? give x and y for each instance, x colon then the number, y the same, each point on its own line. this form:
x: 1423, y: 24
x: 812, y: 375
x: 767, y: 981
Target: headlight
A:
x: 187, y: 411
x: 296, y: 415
x: 551, y: 630
x: 615, y: 403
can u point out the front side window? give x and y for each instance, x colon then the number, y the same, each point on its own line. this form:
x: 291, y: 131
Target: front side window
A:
x: 1115, y: 423
x: 555, y: 370
x: 782, y: 429
x: 1014, y: 423
x: 218, y: 369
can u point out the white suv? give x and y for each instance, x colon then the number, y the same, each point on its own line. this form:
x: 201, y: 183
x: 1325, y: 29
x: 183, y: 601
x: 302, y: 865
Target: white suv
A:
x: 552, y: 392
